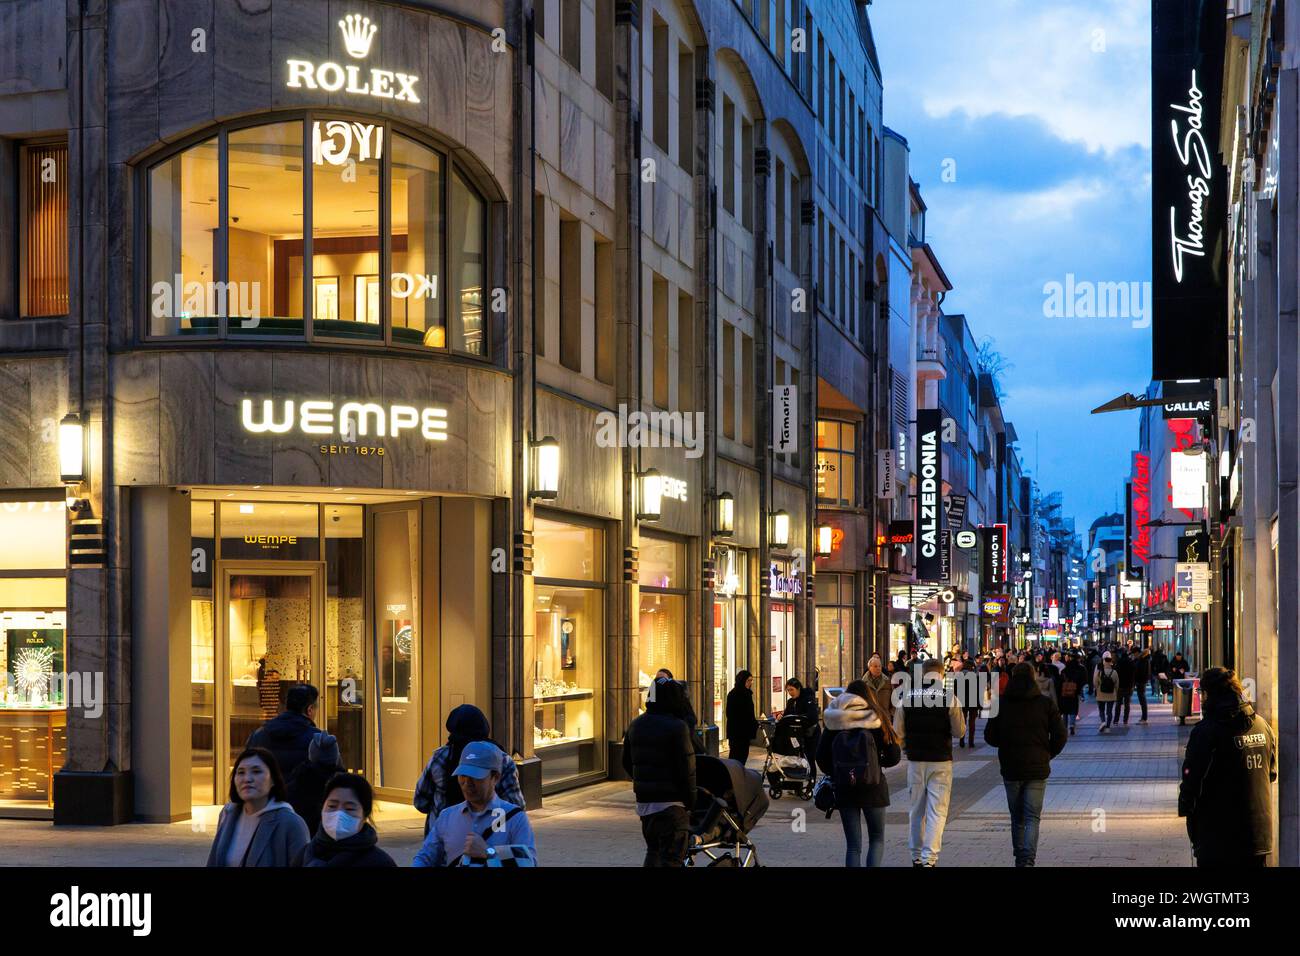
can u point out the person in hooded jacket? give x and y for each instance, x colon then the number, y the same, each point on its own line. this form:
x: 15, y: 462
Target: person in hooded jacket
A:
x: 1228, y: 772
x: 686, y: 711
x: 288, y: 734
x: 257, y: 827
x: 742, y: 725
x: 306, y: 785
x: 1046, y: 676
x: 1028, y: 732
x: 347, y: 836
x: 659, y: 756
x: 861, y: 708
x: 1178, y: 667
x: 437, y: 788
x: 1105, y: 686
x: 1073, y: 680
x: 1126, y: 669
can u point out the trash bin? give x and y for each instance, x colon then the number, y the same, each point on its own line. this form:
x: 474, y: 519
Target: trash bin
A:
x: 1187, y: 700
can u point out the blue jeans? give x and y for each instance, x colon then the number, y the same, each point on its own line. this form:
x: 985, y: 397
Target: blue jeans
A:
x: 1107, y: 709
x: 852, y: 823
x: 1025, y: 801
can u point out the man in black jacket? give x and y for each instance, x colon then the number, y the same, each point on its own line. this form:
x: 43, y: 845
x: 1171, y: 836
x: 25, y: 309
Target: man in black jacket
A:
x: 660, y: 759
x: 1125, y: 672
x: 1228, y: 772
x: 930, y: 716
x: 288, y: 735
x: 1028, y: 732
x: 1141, y: 677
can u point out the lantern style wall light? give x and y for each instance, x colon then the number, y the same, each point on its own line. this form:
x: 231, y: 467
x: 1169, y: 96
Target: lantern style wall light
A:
x: 724, y: 515
x: 546, y: 469
x: 72, y: 449
x: 824, y: 541
x: 652, y: 495
x: 780, y: 537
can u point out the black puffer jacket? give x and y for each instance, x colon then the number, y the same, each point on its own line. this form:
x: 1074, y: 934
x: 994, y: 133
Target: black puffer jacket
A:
x: 360, y: 849
x: 1226, y: 792
x: 742, y: 725
x: 306, y: 788
x: 1028, y: 731
x: 286, y: 736
x: 658, y: 753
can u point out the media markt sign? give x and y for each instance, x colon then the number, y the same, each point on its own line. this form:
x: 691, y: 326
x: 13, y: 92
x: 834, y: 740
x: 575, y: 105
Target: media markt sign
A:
x: 358, y: 32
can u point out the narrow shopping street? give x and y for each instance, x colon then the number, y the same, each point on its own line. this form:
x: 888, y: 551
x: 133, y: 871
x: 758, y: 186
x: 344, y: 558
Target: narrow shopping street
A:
x: 1112, y: 801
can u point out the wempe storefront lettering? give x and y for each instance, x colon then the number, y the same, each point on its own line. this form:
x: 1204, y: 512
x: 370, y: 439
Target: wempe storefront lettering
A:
x: 318, y: 417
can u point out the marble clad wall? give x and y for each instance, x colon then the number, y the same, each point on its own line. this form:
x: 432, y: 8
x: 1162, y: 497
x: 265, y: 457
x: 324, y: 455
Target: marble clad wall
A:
x: 33, y: 397
x: 177, y: 421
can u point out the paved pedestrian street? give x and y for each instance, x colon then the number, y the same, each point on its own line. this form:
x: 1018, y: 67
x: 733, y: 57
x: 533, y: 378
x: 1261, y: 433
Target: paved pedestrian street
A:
x: 1112, y: 800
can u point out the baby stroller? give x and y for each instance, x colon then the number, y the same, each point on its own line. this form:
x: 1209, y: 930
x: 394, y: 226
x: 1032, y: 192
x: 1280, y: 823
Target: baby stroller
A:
x: 789, y: 763
x: 729, y: 801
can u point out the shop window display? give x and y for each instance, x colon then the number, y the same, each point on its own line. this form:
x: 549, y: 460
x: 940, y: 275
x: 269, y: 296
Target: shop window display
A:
x: 568, y: 669
x: 732, y: 617
x: 662, y: 630
x: 835, y: 629
x: 34, y: 688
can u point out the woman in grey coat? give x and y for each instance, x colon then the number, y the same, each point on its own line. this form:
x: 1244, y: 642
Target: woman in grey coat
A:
x: 258, y: 826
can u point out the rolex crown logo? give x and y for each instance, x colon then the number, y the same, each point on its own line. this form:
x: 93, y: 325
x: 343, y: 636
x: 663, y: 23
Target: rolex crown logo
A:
x: 357, y: 34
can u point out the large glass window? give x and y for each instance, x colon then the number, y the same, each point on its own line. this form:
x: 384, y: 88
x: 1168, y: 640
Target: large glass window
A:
x: 34, y: 690
x: 836, y: 462
x: 264, y: 229
x: 295, y: 246
x: 662, y: 631
x: 732, y: 624
x: 345, y: 630
x: 835, y: 607
x: 568, y: 668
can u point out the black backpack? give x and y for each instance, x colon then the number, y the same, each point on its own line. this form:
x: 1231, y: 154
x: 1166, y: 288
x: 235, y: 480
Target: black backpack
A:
x: 1107, y: 682
x: 857, y: 764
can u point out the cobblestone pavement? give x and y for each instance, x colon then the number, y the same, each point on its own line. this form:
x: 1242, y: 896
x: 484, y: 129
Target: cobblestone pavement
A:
x: 1112, y: 801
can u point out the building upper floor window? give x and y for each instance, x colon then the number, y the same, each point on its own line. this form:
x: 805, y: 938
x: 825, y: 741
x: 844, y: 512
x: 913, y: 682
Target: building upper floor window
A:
x: 43, y: 246
x: 321, y: 228
x: 836, y: 462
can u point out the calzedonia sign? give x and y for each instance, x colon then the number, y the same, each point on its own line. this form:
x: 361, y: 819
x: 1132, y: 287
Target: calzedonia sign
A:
x: 1189, y: 191
x: 929, y: 495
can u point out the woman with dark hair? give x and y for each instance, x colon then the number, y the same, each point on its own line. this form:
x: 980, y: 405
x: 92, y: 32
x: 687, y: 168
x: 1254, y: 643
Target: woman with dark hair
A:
x: 742, y: 725
x: 437, y: 788
x: 346, y: 836
x: 258, y: 826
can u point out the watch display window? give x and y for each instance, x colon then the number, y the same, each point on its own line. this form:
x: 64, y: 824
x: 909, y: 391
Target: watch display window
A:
x: 661, y: 640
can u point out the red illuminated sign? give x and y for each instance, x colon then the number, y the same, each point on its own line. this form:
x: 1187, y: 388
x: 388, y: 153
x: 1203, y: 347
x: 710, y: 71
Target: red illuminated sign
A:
x: 1141, y: 505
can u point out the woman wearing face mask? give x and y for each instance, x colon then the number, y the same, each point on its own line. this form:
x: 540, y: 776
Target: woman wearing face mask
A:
x: 346, y: 836
x: 258, y: 826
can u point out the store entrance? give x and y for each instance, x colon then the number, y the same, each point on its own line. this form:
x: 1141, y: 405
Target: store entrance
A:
x: 269, y: 637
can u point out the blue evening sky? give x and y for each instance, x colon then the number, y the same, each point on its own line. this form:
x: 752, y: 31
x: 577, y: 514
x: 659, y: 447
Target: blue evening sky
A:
x: 1044, y: 105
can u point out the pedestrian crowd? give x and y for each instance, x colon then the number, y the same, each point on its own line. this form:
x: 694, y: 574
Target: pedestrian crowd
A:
x: 293, y: 803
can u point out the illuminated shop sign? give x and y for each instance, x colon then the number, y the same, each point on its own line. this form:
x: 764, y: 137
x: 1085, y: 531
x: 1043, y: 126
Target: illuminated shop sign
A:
x: 322, y: 417
x: 929, y: 562
x: 994, y: 539
x: 673, y: 488
x: 358, y: 32
x: 1189, y: 191
x: 781, y: 583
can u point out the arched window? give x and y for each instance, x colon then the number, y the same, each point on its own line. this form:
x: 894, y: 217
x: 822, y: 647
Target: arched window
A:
x: 322, y: 228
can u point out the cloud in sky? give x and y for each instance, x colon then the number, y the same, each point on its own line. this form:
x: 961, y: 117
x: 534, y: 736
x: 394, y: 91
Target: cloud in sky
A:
x: 1050, y: 140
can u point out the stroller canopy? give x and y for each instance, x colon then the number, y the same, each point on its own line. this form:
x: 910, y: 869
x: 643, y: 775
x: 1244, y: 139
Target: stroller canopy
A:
x: 739, y: 788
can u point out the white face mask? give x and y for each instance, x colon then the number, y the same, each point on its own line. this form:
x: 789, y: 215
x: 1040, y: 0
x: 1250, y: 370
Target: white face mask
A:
x: 339, y: 824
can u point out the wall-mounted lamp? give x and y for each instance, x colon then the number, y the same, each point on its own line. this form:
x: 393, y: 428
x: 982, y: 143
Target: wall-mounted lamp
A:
x: 72, y: 449
x: 824, y: 541
x: 724, y: 515
x: 546, y: 469
x: 780, y: 537
x: 652, y: 495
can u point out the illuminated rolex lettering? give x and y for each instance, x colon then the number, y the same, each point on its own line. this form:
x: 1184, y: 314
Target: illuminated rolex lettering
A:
x: 320, y: 417
x: 358, y: 32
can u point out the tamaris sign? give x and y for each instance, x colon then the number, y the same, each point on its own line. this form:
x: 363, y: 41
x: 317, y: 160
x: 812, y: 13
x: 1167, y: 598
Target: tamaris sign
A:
x: 1189, y: 198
